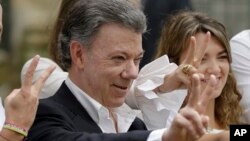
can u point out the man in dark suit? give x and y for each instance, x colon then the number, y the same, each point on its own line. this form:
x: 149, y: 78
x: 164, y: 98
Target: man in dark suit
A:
x: 101, y: 46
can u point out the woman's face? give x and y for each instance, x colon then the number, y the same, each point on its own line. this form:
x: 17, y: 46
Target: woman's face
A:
x: 215, y: 61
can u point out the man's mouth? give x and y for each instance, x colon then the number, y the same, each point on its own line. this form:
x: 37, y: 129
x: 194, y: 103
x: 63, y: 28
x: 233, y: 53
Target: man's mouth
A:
x: 121, y: 87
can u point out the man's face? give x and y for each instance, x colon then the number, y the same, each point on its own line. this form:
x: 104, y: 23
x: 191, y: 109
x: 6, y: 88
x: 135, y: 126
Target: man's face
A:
x: 112, y: 64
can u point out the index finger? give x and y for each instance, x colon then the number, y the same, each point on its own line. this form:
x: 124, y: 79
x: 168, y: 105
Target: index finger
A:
x: 27, y: 82
x: 200, y: 49
x: 190, y: 51
x: 195, y: 91
x: 40, y: 82
x: 205, y: 96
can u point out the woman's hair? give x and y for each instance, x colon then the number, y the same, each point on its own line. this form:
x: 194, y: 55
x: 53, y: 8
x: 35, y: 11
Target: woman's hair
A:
x: 53, y: 45
x: 175, y: 39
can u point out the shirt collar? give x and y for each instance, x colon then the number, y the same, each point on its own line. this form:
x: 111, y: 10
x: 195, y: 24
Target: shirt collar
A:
x: 100, y: 114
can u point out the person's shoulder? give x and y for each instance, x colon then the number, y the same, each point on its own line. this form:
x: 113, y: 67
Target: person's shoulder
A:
x: 243, y: 35
x: 50, y: 108
x: 48, y: 105
x: 58, y: 104
x: 241, y: 41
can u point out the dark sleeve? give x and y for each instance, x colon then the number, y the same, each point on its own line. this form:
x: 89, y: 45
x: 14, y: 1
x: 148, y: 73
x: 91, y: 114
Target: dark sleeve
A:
x: 52, y: 124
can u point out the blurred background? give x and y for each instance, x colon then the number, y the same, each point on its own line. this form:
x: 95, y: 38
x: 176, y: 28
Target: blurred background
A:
x: 28, y: 23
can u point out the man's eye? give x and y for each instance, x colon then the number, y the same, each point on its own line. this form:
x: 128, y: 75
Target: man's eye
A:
x: 223, y: 57
x: 138, y: 60
x: 119, y: 58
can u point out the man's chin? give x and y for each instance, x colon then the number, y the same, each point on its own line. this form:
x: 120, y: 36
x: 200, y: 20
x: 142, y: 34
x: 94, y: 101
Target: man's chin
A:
x: 117, y: 103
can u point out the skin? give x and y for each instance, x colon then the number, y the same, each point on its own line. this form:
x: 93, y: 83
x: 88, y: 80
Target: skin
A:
x: 193, y: 56
x: 118, y: 56
x: 119, y: 68
x: 190, y: 123
x: 214, y: 62
x: 21, y: 104
x: 209, y: 59
x: 105, y: 72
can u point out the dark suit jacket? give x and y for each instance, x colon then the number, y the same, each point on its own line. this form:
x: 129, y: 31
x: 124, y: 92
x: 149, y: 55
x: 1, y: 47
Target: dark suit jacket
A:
x: 62, y: 118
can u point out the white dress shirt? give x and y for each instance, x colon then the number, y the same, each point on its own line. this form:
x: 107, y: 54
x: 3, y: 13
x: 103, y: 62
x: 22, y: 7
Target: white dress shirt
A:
x: 240, y: 47
x: 100, y: 114
x: 2, y: 115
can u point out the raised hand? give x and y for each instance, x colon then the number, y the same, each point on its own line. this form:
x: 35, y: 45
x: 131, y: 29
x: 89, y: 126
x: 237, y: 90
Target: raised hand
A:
x: 21, y: 104
x: 191, y: 60
x: 190, y: 123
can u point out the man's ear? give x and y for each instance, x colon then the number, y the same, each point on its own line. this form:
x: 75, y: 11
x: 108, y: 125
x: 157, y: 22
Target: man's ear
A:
x: 77, y: 54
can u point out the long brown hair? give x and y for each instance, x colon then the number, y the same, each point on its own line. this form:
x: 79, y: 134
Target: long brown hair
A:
x: 53, y: 45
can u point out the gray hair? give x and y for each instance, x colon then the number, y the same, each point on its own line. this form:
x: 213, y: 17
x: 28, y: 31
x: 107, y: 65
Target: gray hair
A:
x: 85, y: 18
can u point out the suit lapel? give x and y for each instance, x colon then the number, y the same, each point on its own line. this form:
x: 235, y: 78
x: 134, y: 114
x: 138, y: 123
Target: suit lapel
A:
x: 80, y: 117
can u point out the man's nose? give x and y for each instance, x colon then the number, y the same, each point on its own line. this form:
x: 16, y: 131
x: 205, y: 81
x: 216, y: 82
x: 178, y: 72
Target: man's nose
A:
x: 131, y: 71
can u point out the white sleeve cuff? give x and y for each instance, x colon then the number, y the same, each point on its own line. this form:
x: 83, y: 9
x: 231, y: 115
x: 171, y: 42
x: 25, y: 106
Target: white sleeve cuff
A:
x: 156, y: 135
x: 158, y: 110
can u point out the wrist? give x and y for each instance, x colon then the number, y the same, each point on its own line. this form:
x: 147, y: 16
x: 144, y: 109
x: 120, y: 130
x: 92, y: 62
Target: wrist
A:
x: 9, y: 135
x: 172, y: 82
x: 15, y: 130
x: 157, y: 90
